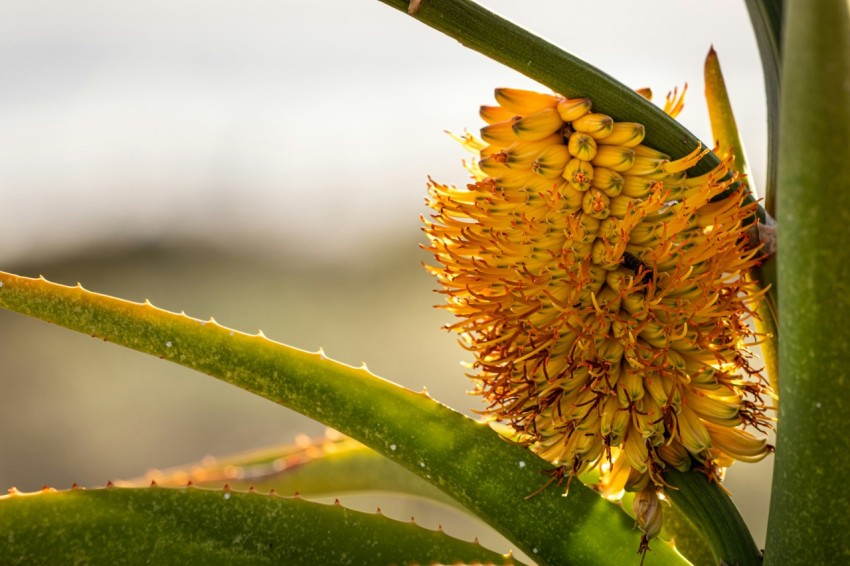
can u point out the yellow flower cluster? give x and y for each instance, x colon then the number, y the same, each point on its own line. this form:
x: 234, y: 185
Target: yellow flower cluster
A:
x: 603, y: 293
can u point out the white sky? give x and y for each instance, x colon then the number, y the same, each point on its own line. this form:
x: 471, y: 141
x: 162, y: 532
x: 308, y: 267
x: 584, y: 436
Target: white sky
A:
x: 312, y: 122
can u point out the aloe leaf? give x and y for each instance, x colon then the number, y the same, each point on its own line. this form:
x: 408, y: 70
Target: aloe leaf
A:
x: 489, y: 476
x: 766, y: 18
x: 195, y: 526
x: 712, y: 511
x: 318, y: 467
x: 808, y: 521
x: 687, y: 537
x: 725, y: 132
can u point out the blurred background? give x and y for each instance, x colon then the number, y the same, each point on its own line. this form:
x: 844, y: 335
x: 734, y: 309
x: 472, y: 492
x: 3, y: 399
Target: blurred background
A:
x: 264, y: 162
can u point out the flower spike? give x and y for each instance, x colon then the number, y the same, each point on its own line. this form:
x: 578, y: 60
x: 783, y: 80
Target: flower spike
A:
x: 604, y: 295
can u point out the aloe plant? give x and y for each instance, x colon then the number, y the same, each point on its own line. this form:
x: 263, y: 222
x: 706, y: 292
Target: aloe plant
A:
x: 407, y: 442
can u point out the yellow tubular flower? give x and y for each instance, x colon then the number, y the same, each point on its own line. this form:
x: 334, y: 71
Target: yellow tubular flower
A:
x: 603, y: 293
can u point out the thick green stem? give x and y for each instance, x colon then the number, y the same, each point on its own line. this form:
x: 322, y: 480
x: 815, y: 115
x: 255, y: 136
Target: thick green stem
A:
x: 808, y: 516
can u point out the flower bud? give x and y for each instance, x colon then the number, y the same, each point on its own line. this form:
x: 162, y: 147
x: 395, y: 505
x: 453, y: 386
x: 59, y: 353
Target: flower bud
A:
x: 582, y: 146
x: 495, y: 114
x: 524, y: 102
x: 500, y: 134
x: 608, y: 181
x: 648, y: 167
x: 637, y: 187
x: 646, y: 151
x: 722, y: 412
x: 614, y: 157
x: 538, y: 125
x: 551, y: 161
x: 645, y: 92
x: 595, y: 203
x: 635, y: 450
x: 579, y: 174
x: 521, y: 154
x: 622, y: 205
x: 596, y: 125
x: 572, y: 197
x: 692, y: 432
x: 648, y: 512
x: 573, y: 108
x: 626, y: 134
x: 494, y: 165
x: 675, y: 454
x: 738, y: 443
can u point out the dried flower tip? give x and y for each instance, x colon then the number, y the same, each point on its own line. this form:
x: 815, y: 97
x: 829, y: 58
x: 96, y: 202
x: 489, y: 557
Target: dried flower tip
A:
x: 644, y: 92
x: 648, y: 512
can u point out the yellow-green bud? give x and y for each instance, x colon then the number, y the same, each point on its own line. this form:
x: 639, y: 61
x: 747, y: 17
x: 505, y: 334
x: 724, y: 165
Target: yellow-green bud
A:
x: 596, y: 204
x: 571, y: 196
x: 614, y: 157
x: 608, y: 181
x: 597, y: 125
x: 646, y: 151
x: 626, y: 134
x: 573, y: 108
x: 579, y: 173
x: 524, y: 102
x: 495, y: 114
x: 500, y: 134
x: 538, y: 125
x: 551, y: 161
x: 637, y: 187
x: 582, y: 146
